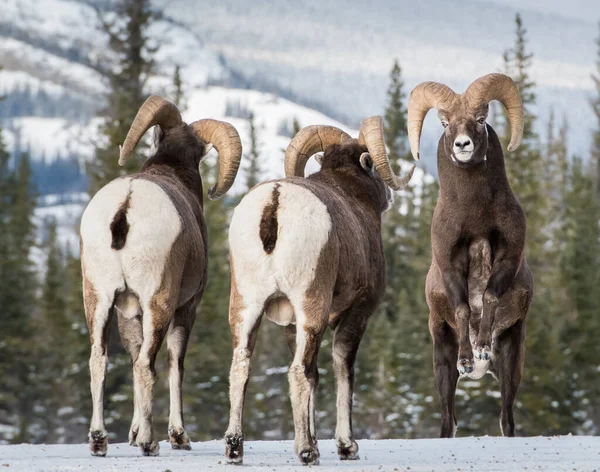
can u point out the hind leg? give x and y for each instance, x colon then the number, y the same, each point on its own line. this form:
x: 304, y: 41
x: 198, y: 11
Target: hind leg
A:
x: 508, y: 362
x: 155, y: 321
x: 99, y: 312
x: 177, y: 341
x: 346, y: 341
x: 244, y: 321
x: 445, y: 353
x: 311, y: 322
x: 130, y: 329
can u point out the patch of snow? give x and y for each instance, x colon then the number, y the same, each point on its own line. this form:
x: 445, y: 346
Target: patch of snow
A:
x: 485, y: 454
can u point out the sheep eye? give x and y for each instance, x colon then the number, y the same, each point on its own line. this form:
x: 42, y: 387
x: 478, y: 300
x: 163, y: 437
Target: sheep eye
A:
x: 445, y: 124
x: 481, y: 120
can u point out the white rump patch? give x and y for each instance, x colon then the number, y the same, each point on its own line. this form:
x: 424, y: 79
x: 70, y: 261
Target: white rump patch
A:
x: 303, y: 228
x: 154, y: 225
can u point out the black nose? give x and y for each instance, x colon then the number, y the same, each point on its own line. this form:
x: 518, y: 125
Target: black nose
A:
x: 463, y: 144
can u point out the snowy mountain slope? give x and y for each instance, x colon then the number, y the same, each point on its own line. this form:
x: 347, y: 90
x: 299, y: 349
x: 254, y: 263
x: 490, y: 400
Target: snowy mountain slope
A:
x: 340, y: 53
x: 486, y: 454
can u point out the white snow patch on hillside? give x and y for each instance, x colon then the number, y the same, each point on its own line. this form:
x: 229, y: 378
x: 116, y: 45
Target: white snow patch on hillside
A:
x: 52, y: 138
x: 565, y: 453
x: 48, y: 67
x: 271, y: 114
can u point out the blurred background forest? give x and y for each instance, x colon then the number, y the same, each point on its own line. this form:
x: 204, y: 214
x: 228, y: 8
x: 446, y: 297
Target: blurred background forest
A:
x: 44, y: 344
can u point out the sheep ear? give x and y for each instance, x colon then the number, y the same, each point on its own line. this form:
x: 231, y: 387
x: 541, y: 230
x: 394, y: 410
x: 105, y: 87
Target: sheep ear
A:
x: 366, y: 162
x: 157, y: 137
x: 319, y: 157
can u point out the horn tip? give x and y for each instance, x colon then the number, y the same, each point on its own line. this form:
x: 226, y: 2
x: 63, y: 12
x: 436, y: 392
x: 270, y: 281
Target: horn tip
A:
x: 512, y: 146
x: 122, y: 156
x: 212, y: 193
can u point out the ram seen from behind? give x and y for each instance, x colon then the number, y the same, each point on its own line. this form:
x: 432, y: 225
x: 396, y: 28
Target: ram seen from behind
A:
x: 144, y: 258
x: 307, y: 253
x: 479, y: 286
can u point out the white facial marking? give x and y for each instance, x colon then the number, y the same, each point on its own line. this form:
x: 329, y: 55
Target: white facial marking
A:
x: 463, y: 147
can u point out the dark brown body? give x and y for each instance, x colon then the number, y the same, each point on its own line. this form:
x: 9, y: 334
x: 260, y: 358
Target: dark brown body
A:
x: 479, y: 286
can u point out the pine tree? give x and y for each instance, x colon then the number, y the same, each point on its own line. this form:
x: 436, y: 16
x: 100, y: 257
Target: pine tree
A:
x: 295, y: 126
x: 128, y: 40
x: 395, y: 116
x: 580, y: 262
x: 127, y: 27
x: 596, y: 108
x: 253, y: 170
x: 18, y: 284
x: 53, y: 364
x: 525, y: 167
x: 178, y: 96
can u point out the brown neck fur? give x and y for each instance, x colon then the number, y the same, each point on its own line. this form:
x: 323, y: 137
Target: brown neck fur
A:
x: 478, y: 183
x: 178, y: 155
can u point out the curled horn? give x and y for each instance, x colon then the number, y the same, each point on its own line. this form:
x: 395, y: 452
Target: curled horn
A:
x: 154, y: 111
x: 226, y: 140
x: 425, y: 96
x: 371, y: 136
x: 502, y: 88
x: 308, y: 141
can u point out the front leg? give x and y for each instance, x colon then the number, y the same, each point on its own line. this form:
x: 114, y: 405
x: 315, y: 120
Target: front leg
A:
x: 504, y: 269
x: 454, y: 274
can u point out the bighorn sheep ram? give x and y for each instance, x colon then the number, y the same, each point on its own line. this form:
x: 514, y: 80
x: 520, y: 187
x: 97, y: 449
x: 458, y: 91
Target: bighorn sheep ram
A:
x: 144, y: 256
x: 479, y: 286
x: 307, y: 252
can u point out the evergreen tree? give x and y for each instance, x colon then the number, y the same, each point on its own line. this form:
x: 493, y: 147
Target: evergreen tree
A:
x: 18, y: 284
x: 253, y: 171
x: 596, y: 108
x: 580, y: 262
x: 395, y: 116
x: 295, y: 126
x: 525, y: 166
x: 178, y: 97
x: 127, y: 27
x: 128, y: 40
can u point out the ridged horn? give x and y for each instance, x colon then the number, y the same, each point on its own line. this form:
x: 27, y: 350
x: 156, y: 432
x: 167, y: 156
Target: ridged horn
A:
x: 371, y: 136
x: 154, y: 111
x: 226, y: 140
x: 424, y: 97
x: 307, y: 142
x: 502, y: 88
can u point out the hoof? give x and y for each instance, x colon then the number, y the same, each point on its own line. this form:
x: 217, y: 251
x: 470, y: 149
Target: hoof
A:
x: 483, y: 352
x: 348, y: 451
x: 234, y: 448
x: 133, y: 437
x: 149, y: 448
x: 465, y: 366
x: 98, y: 443
x: 179, y: 439
x: 309, y: 457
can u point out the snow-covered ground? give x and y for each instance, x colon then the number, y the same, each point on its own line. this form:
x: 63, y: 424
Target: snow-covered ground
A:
x: 560, y: 453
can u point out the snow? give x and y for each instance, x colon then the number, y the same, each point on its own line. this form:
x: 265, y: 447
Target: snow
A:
x: 50, y: 68
x: 486, y: 454
x: 270, y: 113
x: 51, y: 138
x: 340, y: 53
